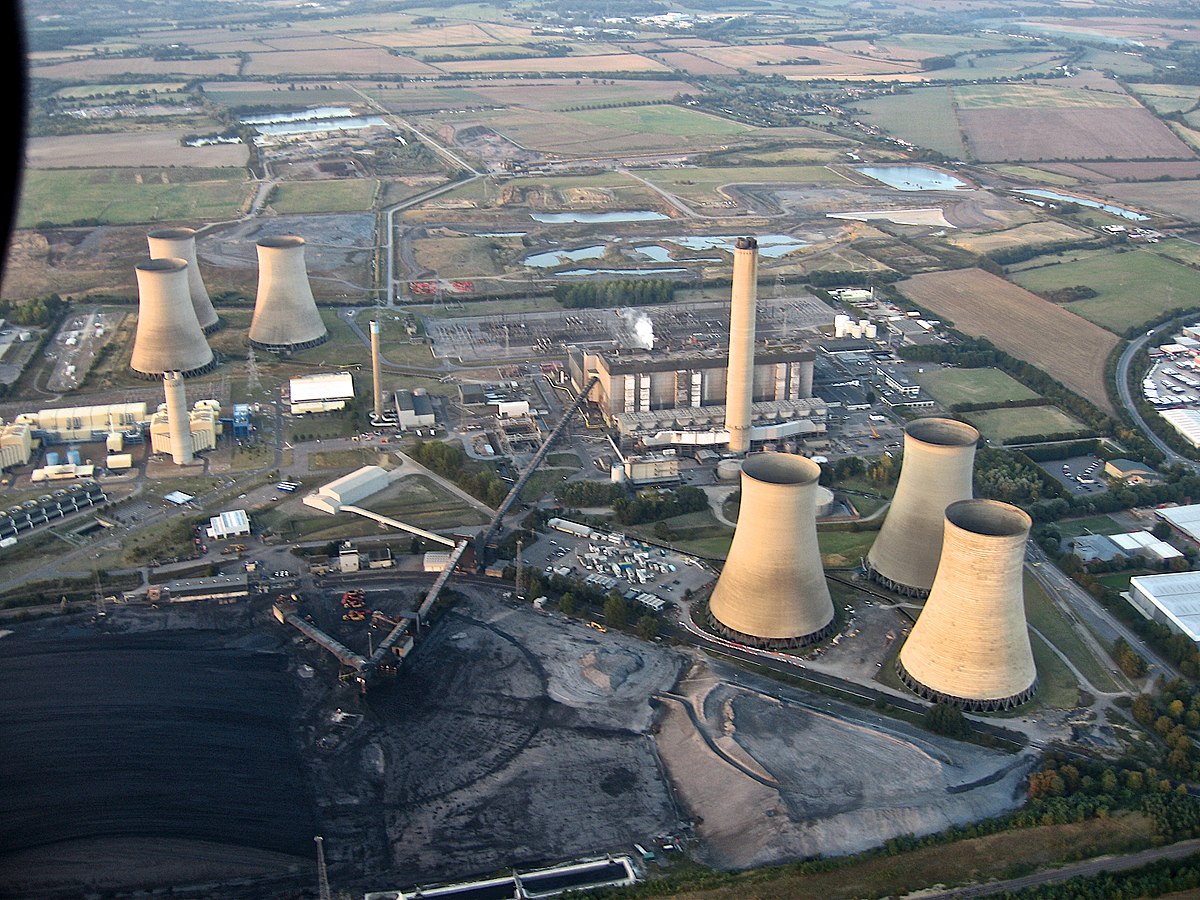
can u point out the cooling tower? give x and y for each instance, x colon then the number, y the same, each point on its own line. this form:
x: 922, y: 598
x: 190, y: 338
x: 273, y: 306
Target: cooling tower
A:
x: 285, y: 313
x: 970, y: 645
x: 376, y: 375
x: 936, y: 471
x: 177, y: 418
x: 180, y: 243
x: 168, y: 336
x: 739, y: 391
x: 772, y: 591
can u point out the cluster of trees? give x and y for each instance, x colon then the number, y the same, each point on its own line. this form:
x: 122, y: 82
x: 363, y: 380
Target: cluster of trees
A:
x: 1168, y: 876
x: 618, y: 292
x: 654, y: 506
x: 1069, y: 294
x: 947, y: 719
x: 589, y: 493
x: 40, y: 311
x: 1011, y: 477
x: 1172, y: 712
x: 451, y: 462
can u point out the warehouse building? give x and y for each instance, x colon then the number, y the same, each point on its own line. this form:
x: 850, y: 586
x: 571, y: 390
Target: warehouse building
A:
x: 322, y: 392
x: 1172, y: 600
x: 1184, y: 519
x: 348, y: 490
x: 229, y: 524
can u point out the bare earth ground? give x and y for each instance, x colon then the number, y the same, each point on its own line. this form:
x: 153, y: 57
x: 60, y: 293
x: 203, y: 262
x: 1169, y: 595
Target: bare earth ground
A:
x: 996, y: 135
x: 145, y: 148
x: 773, y: 774
x: 1061, y: 343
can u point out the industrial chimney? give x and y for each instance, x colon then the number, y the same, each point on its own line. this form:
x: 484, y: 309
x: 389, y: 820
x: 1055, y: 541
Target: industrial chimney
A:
x: 177, y: 419
x: 285, y: 313
x: 936, y: 471
x: 739, y: 388
x: 169, y: 337
x: 376, y: 375
x: 772, y: 590
x: 180, y: 243
x: 970, y: 644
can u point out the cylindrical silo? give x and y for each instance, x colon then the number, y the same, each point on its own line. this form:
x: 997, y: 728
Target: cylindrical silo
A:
x: 376, y: 374
x: 285, y: 312
x: 936, y: 471
x: 169, y: 337
x: 970, y: 644
x: 180, y: 243
x: 739, y: 389
x: 772, y: 590
x: 178, y: 421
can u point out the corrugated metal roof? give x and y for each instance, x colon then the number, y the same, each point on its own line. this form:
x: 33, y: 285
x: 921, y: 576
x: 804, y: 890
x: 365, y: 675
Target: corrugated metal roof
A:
x: 322, y: 386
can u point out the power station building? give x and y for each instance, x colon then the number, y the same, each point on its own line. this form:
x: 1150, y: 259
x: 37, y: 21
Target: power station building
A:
x: 180, y: 243
x: 970, y: 644
x: 285, y: 311
x: 321, y: 392
x: 203, y: 427
x: 16, y: 444
x: 169, y: 337
x: 80, y: 424
x: 772, y: 590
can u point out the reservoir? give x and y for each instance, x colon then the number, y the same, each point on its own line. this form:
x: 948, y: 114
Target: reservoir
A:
x: 633, y: 215
x: 1084, y: 201
x: 913, y: 178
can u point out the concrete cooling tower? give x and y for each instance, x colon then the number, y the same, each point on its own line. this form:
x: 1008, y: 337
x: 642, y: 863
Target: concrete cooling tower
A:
x: 168, y: 336
x: 772, y: 591
x: 180, y: 243
x: 970, y: 645
x: 285, y: 313
x: 938, y: 458
x: 739, y: 391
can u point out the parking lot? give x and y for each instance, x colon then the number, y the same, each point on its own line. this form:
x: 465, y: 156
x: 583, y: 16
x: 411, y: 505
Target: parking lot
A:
x: 1079, y: 474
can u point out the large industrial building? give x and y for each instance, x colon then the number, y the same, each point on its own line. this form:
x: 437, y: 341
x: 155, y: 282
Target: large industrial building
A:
x: 16, y: 444
x: 204, y: 425
x: 414, y: 409
x: 349, y: 489
x: 322, y: 392
x: 1173, y: 600
x: 85, y: 423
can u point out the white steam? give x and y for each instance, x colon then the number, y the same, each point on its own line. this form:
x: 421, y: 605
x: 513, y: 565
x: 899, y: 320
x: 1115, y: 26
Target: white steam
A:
x: 637, y: 329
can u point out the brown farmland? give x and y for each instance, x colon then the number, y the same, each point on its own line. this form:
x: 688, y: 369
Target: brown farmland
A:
x: 326, y: 62
x: 1060, y: 343
x: 1010, y: 135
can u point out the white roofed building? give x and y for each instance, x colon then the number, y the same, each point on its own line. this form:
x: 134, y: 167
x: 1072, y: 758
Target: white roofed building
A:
x: 322, y: 392
x: 1185, y: 519
x: 229, y: 524
x: 348, y: 489
x: 1173, y: 600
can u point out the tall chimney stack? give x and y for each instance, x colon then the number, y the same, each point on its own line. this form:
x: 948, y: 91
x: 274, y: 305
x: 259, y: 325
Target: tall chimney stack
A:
x: 739, y: 390
x: 376, y: 374
x: 177, y: 419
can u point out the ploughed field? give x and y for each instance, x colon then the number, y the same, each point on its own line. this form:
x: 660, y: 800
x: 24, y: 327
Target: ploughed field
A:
x: 170, y: 735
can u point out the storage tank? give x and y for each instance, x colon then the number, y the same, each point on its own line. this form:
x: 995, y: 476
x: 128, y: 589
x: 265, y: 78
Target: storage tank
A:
x: 824, y: 501
x: 939, y: 455
x: 169, y: 337
x: 970, y: 644
x: 772, y: 590
x: 739, y: 390
x: 285, y: 312
x: 180, y: 243
x: 729, y: 469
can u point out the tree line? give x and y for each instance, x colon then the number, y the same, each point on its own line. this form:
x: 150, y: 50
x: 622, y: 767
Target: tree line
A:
x: 617, y: 292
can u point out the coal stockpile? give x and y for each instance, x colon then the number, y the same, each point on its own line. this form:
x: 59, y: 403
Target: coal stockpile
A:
x: 167, y: 735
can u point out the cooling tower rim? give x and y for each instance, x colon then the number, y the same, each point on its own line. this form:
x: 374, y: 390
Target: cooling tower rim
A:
x: 781, y: 469
x: 281, y: 242
x: 172, y: 233
x: 162, y: 264
x: 942, y: 432
x: 990, y: 518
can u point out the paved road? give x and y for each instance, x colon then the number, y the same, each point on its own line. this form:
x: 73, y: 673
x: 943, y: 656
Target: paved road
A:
x: 1123, y: 366
x: 1091, y: 867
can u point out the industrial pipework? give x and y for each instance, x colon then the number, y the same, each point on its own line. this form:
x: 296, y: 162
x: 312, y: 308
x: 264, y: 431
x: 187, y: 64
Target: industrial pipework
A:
x: 180, y: 243
x: 169, y: 337
x: 939, y: 455
x: 970, y: 644
x: 739, y: 389
x: 772, y: 590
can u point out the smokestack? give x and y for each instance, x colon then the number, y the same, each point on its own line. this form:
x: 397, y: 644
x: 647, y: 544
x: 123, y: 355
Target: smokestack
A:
x: 970, y: 645
x: 169, y: 337
x: 376, y: 375
x: 938, y: 458
x: 177, y: 419
x: 772, y: 590
x: 739, y: 390
x: 180, y: 243
x: 285, y: 313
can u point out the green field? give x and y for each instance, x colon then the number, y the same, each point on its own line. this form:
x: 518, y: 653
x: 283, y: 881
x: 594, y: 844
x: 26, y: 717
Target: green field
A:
x: 1133, y: 287
x: 1006, y: 424
x: 1036, y: 96
x: 305, y: 197
x: 1035, y: 174
x: 1069, y: 528
x: 86, y: 91
x: 660, y: 119
x: 924, y: 116
x: 1043, y: 615
x: 844, y: 548
x: 702, y: 184
x: 952, y: 386
x: 114, y: 196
